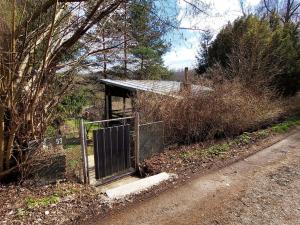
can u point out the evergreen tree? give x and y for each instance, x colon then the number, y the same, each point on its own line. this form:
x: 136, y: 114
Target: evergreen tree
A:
x: 202, y: 57
x: 147, y: 31
x: 269, y: 47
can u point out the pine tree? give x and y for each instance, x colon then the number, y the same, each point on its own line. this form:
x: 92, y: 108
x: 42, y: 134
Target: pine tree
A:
x: 202, y: 58
x: 147, y: 31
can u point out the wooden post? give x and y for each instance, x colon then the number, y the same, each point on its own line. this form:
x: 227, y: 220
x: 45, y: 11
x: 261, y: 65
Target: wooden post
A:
x: 108, y: 104
x: 137, y: 139
x: 124, y: 106
x: 105, y: 104
x: 124, y: 109
x: 186, y: 83
x: 186, y: 75
x: 84, y: 153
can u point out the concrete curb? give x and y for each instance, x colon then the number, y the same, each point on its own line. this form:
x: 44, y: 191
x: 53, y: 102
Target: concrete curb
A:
x: 138, y: 186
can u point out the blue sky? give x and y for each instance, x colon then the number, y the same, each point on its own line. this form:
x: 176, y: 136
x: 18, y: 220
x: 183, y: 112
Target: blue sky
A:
x: 185, y: 43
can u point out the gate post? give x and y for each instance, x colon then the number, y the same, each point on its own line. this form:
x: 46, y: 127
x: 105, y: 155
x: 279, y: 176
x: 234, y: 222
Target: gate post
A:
x: 137, y: 139
x: 83, y: 152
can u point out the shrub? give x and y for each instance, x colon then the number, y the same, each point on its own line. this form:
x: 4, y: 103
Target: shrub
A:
x: 229, y: 110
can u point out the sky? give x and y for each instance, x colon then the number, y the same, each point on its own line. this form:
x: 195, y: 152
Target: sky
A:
x: 185, y: 43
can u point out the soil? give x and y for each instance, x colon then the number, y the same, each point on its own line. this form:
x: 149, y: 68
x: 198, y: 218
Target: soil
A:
x: 78, y: 204
x: 262, y: 189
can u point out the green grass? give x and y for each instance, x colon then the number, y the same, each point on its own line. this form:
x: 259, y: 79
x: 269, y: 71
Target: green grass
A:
x: 72, y: 124
x: 285, y: 126
x: 90, y: 128
x: 40, y: 202
x: 36, y: 202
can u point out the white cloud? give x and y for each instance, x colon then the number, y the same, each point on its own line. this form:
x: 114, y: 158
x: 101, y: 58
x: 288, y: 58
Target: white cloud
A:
x: 180, y: 58
x: 183, y: 55
x: 222, y: 11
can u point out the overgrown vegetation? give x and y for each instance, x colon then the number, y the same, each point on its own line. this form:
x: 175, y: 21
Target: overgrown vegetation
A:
x: 229, y: 110
x: 240, y: 141
x: 44, y: 44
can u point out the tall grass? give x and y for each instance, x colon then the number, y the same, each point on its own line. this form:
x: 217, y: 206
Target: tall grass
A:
x: 229, y: 110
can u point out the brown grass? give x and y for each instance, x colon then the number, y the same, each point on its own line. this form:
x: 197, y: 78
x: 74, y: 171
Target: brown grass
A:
x: 229, y: 110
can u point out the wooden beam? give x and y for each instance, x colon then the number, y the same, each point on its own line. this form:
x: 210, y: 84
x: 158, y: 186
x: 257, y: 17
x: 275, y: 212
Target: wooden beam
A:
x: 108, y: 103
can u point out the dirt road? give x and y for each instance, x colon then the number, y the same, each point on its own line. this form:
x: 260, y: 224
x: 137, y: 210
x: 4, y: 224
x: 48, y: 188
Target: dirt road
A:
x: 263, y: 189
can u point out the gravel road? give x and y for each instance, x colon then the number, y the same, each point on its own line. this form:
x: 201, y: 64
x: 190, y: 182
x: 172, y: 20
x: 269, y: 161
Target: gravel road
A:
x: 262, y: 189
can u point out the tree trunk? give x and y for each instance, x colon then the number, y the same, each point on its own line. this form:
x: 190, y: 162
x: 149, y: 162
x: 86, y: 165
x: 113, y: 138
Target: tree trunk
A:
x: 104, y: 56
x: 125, y: 40
x: 1, y: 138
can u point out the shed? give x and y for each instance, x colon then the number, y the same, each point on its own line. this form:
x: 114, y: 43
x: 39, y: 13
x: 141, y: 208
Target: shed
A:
x: 129, y: 88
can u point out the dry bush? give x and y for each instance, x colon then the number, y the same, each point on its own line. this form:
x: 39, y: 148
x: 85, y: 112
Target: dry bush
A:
x: 229, y: 110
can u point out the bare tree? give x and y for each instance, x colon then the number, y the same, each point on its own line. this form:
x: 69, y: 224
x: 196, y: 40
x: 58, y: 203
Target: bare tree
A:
x: 289, y: 10
x: 39, y: 53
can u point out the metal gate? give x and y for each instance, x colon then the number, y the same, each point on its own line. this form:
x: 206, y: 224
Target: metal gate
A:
x: 109, y: 149
x: 112, y: 151
x: 113, y: 148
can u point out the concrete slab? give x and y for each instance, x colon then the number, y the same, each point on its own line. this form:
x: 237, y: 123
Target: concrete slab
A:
x: 138, y: 186
x: 118, y: 183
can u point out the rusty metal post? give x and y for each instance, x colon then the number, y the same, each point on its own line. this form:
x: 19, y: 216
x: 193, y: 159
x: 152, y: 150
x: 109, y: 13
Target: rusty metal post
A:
x: 84, y: 153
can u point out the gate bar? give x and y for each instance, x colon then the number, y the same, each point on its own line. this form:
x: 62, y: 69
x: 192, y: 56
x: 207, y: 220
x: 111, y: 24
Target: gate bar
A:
x: 104, y: 121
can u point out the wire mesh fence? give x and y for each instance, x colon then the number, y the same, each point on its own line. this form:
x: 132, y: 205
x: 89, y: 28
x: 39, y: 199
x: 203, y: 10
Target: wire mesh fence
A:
x: 66, y: 142
x: 77, y: 143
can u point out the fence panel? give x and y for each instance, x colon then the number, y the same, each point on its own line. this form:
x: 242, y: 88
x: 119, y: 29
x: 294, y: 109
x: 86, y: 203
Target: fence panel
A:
x: 151, y: 139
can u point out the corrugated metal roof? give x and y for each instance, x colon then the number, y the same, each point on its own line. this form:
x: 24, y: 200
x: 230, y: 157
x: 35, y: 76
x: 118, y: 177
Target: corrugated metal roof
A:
x: 170, y: 88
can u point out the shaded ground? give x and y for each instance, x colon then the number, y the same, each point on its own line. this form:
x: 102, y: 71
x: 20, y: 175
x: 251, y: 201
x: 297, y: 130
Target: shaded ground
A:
x: 263, y: 189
